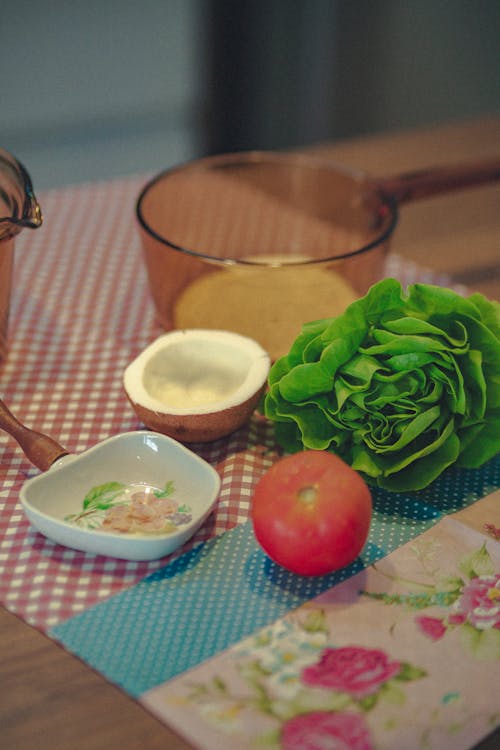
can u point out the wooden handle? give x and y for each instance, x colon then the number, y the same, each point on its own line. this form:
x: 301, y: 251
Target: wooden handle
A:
x: 426, y: 182
x: 40, y: 449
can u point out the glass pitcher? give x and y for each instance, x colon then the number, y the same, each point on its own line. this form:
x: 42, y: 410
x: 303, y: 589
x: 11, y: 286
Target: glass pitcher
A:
x: 18, y: 209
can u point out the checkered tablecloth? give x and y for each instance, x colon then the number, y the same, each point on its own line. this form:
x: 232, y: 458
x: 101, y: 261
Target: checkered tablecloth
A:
x: 80, y: 312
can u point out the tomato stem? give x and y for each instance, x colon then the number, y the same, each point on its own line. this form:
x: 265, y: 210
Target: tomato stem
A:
x: 308, y: 494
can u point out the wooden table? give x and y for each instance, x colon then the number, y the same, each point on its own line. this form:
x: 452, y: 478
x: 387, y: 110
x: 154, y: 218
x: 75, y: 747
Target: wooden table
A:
x: 48, y: 698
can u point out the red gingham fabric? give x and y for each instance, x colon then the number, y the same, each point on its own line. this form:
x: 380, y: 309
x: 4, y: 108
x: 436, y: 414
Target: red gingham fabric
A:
x: 80, y: 312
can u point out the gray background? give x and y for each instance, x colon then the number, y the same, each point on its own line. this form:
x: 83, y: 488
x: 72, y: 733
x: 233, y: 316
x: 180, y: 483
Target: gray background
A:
x: 96, y: 89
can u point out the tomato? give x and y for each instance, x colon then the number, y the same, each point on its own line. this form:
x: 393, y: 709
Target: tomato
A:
x: 311, y: 513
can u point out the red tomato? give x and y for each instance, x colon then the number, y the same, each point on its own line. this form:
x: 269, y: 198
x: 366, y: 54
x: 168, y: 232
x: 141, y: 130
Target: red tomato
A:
x: 311, y: 513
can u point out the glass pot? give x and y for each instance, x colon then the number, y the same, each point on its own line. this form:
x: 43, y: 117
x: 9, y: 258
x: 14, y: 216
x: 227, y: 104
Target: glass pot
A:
x: 262, y: 242
x: 18, y: 209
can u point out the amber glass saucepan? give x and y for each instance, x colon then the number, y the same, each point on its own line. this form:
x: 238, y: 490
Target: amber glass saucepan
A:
x: 261, y: 242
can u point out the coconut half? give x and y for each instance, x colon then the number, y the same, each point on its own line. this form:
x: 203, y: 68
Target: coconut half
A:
x: 197, y: 385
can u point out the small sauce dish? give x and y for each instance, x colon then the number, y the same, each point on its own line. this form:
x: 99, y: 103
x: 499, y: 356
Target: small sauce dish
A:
x: 135, y: 496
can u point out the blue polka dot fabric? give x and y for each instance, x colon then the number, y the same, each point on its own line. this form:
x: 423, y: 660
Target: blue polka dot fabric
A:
x: 221, y: 591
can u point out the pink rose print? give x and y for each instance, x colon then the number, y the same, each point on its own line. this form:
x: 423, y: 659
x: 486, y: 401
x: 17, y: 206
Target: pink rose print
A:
x: 432, y: 627
x: 493, y: 531
x: 320, y: 729
x: 354, y: 670
x: 479, y: 603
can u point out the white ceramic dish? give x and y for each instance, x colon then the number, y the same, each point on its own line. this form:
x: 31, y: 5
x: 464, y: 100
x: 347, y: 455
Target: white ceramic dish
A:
x: 134, y: 458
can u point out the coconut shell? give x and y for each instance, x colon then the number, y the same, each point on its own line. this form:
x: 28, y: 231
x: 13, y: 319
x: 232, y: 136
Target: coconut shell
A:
x: 199, y: 428
x: 199, y: 357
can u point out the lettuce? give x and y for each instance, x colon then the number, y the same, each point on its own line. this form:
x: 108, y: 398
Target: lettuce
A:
x: 400, y: 386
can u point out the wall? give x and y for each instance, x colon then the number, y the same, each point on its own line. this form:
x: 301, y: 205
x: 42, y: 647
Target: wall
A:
x: 402, y: 63
x: 291, y: 71
x: 100, y: 88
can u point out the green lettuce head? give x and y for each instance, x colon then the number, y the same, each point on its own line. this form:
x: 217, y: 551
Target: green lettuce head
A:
x: 399, y: 386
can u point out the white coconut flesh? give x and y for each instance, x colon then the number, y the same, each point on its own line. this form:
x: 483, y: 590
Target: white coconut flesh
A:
x: 196, y: 371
